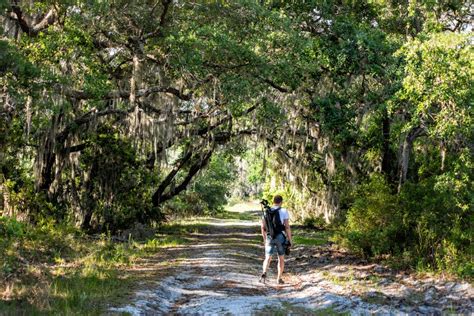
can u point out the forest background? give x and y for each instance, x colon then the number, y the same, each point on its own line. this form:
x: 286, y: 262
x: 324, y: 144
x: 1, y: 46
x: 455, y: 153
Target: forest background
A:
x: 119, y: 114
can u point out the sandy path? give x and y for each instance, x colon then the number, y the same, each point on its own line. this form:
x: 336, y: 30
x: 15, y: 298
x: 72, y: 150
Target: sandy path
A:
x: 220, y: 276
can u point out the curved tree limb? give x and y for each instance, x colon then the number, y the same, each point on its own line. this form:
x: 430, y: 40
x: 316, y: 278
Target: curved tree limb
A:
x: 33, y: 29
x: 159, y: 196
x: 405, y: 150
x: 159, y: 30
x: 116, y: 94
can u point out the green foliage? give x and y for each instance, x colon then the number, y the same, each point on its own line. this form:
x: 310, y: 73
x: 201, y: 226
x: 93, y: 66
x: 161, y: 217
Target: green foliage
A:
x: 439, y: 239
x: 252, y: 170
x: 213, y: 185
x: 314, y: 222
x: 256, y: 169
x: 374, y: 220
x: 414, y: 227
x: 12, y: 63
x: 118, y: 181
x: 11, y: 228
x: 439, y: 83
x: 33, y: 205
x: 209, y: 192
x: 185, y: 205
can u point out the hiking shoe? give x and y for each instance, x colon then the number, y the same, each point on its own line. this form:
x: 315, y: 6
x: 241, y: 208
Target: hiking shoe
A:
x: 280, y: 281
x: 263, y: 278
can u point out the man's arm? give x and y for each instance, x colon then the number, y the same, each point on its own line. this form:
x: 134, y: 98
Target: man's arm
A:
x: 264, y: 231
x: 288, y: 230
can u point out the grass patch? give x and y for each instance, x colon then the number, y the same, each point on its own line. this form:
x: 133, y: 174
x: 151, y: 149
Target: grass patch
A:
x: 13, y: 308
x: 241, y: 216
x: 309, y: 241
x: 163, y: 241
x: 311, y: 238
x: 180, y: 228
x: 84, y: 292
x: 55, y: 269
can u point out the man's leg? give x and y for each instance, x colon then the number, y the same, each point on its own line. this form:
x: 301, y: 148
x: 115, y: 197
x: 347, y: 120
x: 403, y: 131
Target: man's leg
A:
x: 281, y: 266
x: 266, y: 263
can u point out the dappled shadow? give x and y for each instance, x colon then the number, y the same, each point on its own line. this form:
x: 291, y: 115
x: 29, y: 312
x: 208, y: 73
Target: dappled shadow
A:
x: 217, y: 272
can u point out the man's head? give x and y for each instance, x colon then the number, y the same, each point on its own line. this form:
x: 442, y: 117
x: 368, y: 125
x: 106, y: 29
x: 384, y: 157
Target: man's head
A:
x: 277, y: 199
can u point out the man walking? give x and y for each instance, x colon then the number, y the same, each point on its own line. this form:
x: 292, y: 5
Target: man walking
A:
x: 276, y: 233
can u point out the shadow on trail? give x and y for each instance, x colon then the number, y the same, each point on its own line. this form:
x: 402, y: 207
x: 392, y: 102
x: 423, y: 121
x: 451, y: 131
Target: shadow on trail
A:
x: 221, y: 262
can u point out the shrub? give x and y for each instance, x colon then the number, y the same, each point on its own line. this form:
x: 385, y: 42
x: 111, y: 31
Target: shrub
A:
x: 315, y: 222
x: 438, y: 223
x: 428, y: 225
x: 374, y: 222
x: 11, y: 228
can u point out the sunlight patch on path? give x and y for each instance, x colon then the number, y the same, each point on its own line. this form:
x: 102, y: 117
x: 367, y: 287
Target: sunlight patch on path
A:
x: 227, y: 223
x: 221, y: 277
x: 203, y: 285
x: 210, y: 284
x: 244, y: 207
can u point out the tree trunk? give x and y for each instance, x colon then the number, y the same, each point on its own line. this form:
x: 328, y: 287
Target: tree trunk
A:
x: 5, y: 198
x: 388, y: 164
x: 406, y: 149
x: 442, y: 150
x: 169, y: 178
x: 89, y: 199
x: 160, y: 197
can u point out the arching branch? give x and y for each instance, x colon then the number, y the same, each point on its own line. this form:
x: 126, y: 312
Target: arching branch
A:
x: 116, y: 94
x: 33, y: 29
x: 159, y: 196
x: 274, y: 85
x: 84, y: 119
x: 163, y: 16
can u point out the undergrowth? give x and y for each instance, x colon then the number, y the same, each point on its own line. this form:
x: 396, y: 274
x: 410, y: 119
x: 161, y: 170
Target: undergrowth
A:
x: 54, y: 268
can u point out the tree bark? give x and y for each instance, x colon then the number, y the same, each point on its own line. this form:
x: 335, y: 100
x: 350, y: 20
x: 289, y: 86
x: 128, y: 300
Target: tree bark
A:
x: 406, y: 149
x: 26, y: 25
x: 90, y: 203
x: 160, y: 197
x: 170, y: 177
x: 388, y: 165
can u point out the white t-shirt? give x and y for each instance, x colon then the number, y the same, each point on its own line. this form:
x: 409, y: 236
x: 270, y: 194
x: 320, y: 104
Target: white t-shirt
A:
x: 283, y: 214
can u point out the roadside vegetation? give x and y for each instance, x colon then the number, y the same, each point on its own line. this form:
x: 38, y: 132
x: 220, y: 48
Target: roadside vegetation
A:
x: 121, y: 118
x: 58, y: 269
x: 53, y: 268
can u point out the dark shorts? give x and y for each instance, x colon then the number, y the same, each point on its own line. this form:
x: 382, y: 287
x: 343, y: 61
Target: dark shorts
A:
x: 277, y: 244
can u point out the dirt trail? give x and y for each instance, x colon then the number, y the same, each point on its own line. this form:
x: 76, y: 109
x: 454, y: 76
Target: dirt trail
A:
x: 221, y: 269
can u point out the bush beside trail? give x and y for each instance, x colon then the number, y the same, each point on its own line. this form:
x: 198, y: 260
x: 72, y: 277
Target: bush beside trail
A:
x: 415, y: 228
x: 54, y: 268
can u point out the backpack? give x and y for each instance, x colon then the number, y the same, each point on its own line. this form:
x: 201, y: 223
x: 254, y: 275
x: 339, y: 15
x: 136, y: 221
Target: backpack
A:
x: 273, y: 223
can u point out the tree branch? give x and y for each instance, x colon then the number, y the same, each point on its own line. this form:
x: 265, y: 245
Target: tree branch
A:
x: 33, y: 30
x: 116, y: 94
x: 206, y: 130
x: 84, y: 119
x: 159, y: 31
x: 157, y: 196
x: 276, y: 86
x: 193, y: 170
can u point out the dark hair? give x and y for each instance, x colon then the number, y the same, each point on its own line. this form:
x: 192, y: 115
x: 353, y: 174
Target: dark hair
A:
x: 277, y: 199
